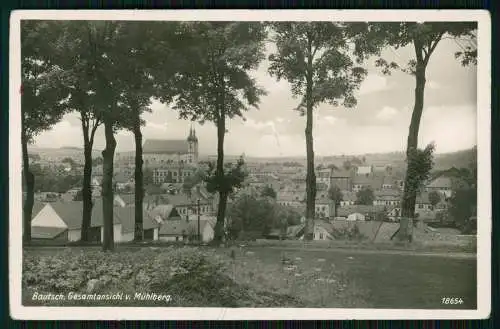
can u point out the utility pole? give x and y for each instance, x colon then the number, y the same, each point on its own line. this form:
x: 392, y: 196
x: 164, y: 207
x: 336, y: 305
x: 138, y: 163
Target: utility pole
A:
x: 198, y: 211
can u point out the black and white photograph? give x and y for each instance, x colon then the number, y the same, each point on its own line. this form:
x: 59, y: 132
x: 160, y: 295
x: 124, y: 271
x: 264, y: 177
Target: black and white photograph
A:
x: 229, y: 164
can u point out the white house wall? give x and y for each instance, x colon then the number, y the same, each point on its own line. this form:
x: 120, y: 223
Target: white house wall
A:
x: 117, y: 233
x: 74, y: 235
x: 155, y: 234
x: 208, y: 233
x: 47, y: 217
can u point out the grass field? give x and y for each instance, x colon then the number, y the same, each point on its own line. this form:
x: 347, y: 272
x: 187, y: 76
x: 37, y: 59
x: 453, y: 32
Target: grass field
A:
x: 324, y: 278
x: 393, y: 280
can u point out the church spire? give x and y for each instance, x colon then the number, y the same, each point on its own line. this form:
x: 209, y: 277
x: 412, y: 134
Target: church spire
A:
x: 192, y: 134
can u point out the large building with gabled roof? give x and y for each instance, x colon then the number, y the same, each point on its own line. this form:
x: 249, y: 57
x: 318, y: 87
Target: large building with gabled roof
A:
x: 171, y: 151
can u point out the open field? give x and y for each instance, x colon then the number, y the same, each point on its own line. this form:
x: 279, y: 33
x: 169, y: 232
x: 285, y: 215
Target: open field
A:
x: 256, y: 276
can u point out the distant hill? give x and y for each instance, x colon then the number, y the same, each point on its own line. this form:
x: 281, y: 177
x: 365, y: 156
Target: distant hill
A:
x: 459, y: 159
x: 442, y: 161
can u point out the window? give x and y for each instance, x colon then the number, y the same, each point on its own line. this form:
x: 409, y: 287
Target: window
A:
x: 321, y: 236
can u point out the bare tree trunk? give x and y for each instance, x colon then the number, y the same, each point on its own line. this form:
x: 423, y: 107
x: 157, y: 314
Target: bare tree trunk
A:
x: 29, y: 179
x: 410, y: 190
x: 139, y: 184
x: 107, y: 186
x: 86, y: 188
x: 310, y: 176
x: 221, y: 209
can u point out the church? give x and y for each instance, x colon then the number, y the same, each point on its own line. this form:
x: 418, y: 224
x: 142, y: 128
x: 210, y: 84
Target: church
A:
x: 171, y: 151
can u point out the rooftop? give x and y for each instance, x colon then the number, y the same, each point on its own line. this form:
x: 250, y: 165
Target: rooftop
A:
x: 165, y: 146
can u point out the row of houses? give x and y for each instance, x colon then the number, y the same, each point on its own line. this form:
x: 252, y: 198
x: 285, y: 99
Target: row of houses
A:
x: 62, y: 221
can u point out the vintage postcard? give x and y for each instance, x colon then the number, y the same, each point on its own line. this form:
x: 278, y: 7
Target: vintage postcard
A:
x: 250, y: 164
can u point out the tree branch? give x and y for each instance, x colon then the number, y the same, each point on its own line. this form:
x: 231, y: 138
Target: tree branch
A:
x: 432, y: 46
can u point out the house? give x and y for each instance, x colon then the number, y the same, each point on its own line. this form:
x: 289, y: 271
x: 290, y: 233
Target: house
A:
x: 322, y: 230
x: 164, y: 212
x: 295, y: 231
x: 394, y: 214
x: 441, y: 184
x: 184, y: 230
x: 172, y: 173
x: 356, y: 217
x: 370, y: 181
x: 123, y: 181
x: 323, y: 207
x: 422, y: 202
x: 349, y: 198
x: 387, y: 197
x: 389, y: 183
x: 369, y: 211
x: 188, y: 204
x: 63, y: 221
x: 342, y: 179
x: 364, y: 170
x: 290, y: 200
x: 323, y: 176
x: 70, y: 194
x: 126, y: 217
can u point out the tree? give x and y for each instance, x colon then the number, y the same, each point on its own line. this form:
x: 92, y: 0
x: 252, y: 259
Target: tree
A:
x: 434, y: 198
x: 268, y: 191
x: 137, y: 89
x: 250, y: 214
x: 365, y: 196
x: 463, y: 205
x: 43, y: 98
x: 233, y: 177
x: 193, y: 180
x: 74, y: 54
x: 419, y: 165
x: 336, y: 196
x: 316, y: 59
x: 69, y: 161
x: 424, y: 37
x: 107, y: 62
x: 347, y: 165
x: 215, y: 85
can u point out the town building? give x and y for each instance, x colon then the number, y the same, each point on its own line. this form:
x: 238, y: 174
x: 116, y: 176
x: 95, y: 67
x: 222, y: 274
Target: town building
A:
x: 62, y: 221
x: 158, y: 151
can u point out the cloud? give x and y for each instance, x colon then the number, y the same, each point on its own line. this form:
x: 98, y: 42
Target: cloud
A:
x: 433, y: 85
x: 330, y: 119
x: 386, y: 113
x: 373, y: 83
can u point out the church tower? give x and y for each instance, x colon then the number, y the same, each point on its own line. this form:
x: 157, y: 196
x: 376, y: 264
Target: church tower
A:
x: 192, y: 145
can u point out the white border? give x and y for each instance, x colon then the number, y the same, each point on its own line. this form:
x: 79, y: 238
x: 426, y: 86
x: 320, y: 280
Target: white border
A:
x: 141, y: 313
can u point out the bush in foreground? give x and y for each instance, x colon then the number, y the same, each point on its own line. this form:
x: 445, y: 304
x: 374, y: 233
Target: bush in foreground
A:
x: 193, y: 278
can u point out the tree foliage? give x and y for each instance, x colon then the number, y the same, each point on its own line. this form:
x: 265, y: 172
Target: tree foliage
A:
x: 335, y: 194
x: 365, y: 196
x: 434, y: 198
x: 234, y: 176
x: 214, y: 84
x: 268, y: 191
x: 424, y: 37
x: 321, y: 61
x: 43, y: 97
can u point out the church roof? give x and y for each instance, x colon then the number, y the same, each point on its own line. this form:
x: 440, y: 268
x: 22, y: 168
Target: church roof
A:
x: 165, y: 146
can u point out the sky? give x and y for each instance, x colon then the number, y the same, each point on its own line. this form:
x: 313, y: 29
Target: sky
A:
x: 379, y: 123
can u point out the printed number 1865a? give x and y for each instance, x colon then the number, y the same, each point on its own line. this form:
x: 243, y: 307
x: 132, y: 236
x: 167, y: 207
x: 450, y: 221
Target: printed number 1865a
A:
x: 452, y: 300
